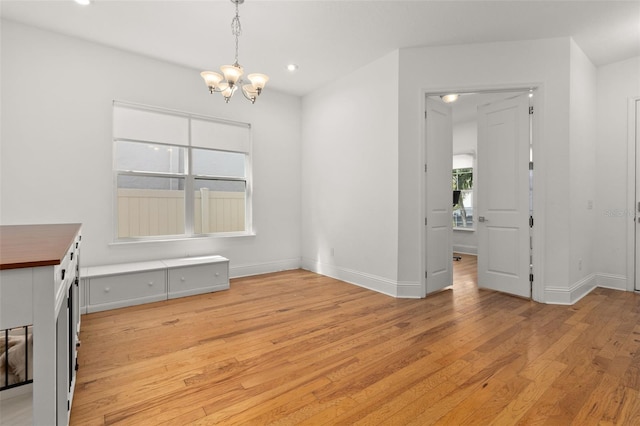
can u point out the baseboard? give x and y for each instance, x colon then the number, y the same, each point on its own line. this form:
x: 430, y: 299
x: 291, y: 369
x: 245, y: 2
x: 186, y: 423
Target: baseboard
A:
x: 569, y: 296
x: 465, y: 249
x: 612, y: 281
x: 263, y: 268
x: 409, y: 290
x: 361, y: 279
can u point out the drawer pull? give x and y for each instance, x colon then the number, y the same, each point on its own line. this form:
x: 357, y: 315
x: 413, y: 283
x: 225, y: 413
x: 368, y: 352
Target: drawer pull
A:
x: 71, y: 255
x: 217, y: 274
x: 182, y: 279
x: 63, y: 272
x: 107, y: 289
x: 150, y: 283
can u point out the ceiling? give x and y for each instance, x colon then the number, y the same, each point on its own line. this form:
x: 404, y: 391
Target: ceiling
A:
x: 328, y: 38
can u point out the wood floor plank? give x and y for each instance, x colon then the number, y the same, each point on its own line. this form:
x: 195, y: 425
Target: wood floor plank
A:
x: 299, y: 348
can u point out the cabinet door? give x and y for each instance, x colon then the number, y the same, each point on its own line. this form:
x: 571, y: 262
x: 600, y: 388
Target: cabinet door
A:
x: 126, y: 289
x: 197, y: 279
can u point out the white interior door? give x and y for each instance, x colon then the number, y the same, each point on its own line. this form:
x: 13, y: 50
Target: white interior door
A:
x: 503, y: 196
x: 439, y: 197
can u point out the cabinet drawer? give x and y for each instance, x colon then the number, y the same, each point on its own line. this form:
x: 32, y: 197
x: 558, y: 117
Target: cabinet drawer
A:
x: 198, y: 279
x: 116, y: 288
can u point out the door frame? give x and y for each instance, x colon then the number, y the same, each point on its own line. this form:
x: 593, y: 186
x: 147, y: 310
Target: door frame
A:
x: 539, y: 194
x: 633, y: 102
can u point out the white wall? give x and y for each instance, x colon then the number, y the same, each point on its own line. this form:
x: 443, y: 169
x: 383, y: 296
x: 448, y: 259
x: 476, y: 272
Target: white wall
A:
x: 350, y: 178
x: 56, y: 148
x: 565, y: 112
x: 582, y: 166
x: 484, y: 66
x: 358, y: 165
x: 616, y: 84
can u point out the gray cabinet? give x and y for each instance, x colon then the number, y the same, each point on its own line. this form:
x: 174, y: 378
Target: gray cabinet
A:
x: 116, y: 286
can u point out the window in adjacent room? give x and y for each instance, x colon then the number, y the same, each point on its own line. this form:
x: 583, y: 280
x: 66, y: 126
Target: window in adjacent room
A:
x: 179, y: 175
x: 462, y: 180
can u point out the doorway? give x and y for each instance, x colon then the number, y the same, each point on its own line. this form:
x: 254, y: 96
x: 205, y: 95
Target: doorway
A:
x: 492, y: 218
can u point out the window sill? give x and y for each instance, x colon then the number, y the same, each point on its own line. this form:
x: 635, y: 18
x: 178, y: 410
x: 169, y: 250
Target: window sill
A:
x: 162, y: 240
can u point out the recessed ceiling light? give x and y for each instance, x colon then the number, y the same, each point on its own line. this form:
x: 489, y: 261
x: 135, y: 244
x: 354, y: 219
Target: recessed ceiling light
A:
x: 83, y: 2
x: 292, y: 67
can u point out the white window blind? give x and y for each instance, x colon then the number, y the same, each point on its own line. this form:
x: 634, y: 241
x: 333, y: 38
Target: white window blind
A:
x: 220, y: 135
x: 150, y: 126
x: 147, y: 124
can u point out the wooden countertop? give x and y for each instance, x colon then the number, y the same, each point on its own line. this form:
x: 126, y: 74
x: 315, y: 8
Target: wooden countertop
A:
x: 28, y: 246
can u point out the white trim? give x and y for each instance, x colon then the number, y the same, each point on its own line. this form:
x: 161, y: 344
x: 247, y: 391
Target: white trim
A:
x: 166, y: 239
x: 539, y: 195
x: 473, y: 250
x: 409, y: 290
x: 422, y: 188
x: 569, y: 296
x: 361, y: 279
x: 539, y: 292
x: 612, y: 281
x: 185, y: 114
x: 631, y: 192
x: 263, y: 268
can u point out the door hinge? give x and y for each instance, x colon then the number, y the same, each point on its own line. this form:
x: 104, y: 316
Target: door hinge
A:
x: 530, y: 165
x: 425, y: 221
x: 425, y: 167
x: 425, y: 113
x: 530, y: 221
x: 531, y: 110
x: 530, y: 278
x: 425, y: 274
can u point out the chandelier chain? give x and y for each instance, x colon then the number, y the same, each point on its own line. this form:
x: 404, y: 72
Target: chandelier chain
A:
x: 236, y: 28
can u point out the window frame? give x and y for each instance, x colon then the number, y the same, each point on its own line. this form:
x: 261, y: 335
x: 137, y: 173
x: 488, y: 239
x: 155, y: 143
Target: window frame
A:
x: 188, y: 175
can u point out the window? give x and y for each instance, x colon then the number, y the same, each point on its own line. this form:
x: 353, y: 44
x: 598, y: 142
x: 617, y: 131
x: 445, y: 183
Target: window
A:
x: 462, y: 180
x: 179, y: 175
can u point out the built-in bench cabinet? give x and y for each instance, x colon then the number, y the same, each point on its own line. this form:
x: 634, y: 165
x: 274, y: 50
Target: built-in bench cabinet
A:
x: 128, y: 284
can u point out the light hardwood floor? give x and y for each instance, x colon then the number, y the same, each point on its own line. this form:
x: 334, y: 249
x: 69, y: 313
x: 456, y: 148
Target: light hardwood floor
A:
x: 300, y: 348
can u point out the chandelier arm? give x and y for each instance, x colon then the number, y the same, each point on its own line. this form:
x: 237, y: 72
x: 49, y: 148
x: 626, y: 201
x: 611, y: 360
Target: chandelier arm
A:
x: 251, y: 99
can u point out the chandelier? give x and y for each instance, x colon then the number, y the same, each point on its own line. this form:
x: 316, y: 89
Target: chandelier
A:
x: 231, y: 77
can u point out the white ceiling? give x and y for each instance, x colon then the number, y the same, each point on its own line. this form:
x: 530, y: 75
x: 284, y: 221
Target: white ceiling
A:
x: 328, y: 38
